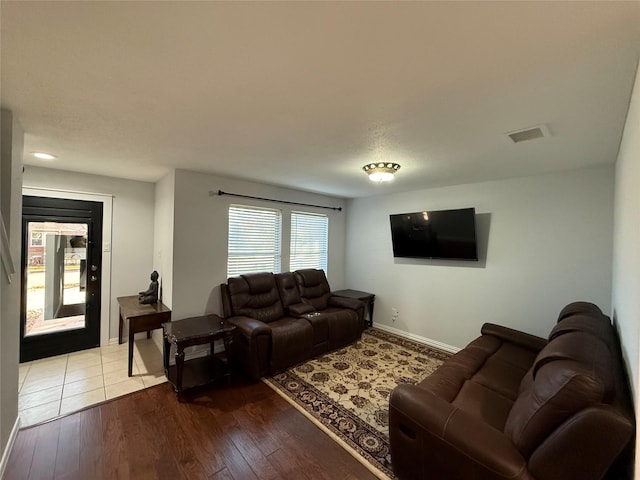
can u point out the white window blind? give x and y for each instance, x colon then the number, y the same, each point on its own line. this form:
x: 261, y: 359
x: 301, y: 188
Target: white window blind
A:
x: 254, y: 240
x: 309, y: 241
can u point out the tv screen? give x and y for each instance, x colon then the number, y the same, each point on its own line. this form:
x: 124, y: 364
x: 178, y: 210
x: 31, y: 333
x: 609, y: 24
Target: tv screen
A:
x: 445, y: 234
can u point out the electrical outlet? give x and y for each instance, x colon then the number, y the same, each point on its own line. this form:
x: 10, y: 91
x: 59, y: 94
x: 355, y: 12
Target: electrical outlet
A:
x: 394, y: 314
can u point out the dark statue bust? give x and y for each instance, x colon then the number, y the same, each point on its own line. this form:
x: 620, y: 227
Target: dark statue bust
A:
x: 150, y: 295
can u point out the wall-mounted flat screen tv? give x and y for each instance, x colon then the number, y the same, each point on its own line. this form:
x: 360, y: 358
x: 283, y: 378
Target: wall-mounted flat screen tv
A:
x: 439, y: 234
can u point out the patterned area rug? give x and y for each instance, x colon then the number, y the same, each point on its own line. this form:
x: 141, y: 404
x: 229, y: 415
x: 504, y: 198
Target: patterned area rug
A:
x: 346, y: 392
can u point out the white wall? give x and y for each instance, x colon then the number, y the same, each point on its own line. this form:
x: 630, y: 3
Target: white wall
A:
x: 11, y: 181
x: 132, y: 243
x: 544, y: 241
x: 626, y: 246
x: 163, y: 235
x: 200, y: 236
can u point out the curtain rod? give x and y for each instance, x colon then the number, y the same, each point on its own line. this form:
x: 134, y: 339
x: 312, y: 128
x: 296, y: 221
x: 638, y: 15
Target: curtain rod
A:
x: 220, y: 192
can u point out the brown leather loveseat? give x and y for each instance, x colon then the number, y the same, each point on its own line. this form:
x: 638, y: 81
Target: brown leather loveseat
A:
x: 515, y: 406
x: 278, y: 327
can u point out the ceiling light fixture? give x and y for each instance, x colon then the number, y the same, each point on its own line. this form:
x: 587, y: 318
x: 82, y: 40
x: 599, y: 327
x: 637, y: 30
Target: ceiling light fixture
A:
x: 44, y: 156
x: 381, y: 171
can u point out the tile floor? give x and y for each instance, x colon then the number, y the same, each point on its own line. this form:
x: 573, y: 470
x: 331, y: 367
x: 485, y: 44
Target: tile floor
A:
x: 59, y: 385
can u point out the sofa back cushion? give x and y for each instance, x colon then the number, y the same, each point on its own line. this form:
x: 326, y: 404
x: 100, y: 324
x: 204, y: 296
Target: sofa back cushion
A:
x: 583, y: 348
x: 256, y: 296
x: 578, y: 308
x: 313, y: 287
x: 570, y: 374
x: 596, y: 325
x: 286, y: 283
x: 560, y: 389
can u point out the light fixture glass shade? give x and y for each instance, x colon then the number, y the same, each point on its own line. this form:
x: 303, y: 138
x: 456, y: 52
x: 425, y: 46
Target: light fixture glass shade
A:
x: 381, y: 171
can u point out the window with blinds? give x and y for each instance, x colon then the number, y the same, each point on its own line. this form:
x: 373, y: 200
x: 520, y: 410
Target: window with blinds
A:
x: 309, y: 241
x: 254, y: 240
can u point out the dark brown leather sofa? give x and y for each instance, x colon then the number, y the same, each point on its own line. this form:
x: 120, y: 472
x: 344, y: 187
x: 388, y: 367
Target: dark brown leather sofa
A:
x: 515, y: 406
x: 278, y: 328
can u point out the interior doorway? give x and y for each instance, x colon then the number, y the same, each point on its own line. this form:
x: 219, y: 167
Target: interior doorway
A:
x: 61, y: 276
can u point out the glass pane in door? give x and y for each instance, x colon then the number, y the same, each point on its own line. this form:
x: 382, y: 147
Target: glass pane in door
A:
x: 56, y: 277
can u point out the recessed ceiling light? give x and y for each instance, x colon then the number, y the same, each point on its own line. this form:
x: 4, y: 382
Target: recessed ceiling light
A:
x: 44, y: 156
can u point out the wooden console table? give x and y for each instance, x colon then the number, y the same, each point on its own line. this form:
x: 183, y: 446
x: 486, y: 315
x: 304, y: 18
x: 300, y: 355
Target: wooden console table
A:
x: 142, y: 318
x: 197, y: 331
x: 367, y: 298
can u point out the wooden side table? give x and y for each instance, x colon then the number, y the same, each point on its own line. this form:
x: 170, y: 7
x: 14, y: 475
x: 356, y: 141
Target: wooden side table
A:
x: 196, y: 331
x: 142, y: 318
x: 367, y: 298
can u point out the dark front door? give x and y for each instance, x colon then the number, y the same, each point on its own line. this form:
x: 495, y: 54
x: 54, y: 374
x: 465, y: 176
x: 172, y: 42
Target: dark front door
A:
x: 61, y: 276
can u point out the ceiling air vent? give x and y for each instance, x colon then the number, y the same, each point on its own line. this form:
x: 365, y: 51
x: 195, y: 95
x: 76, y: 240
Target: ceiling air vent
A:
x: 529, y: 134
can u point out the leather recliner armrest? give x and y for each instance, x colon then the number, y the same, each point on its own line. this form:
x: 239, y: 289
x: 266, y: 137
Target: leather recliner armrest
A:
x: 250, y: 327
x: 525, y: 340
x: 300, y: 309
x: 419, y: 419
x: 343, y: 302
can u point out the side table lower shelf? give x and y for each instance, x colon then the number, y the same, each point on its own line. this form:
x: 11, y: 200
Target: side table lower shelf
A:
x: 198, y: 372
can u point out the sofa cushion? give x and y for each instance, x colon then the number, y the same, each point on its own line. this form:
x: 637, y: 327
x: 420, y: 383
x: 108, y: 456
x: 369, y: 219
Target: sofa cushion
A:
x: 584, y: 349
x: 447, y: 380
x: 570, y: 373
x: 500, y: 376
x: 287, y: 288
x: 320, y: 325
x: 560, y: 389
x: 291, y: 342
x: 344, y: 325
x: 578, y: 308
x: 313, y: 287
x: 487, y: 360
x: 596, y: 325
x: 471, y: 358
x: 505, y: 365
x: 515, y: 356
x: 256, y: 296
x: 575, y: 346
x: 484, y: 404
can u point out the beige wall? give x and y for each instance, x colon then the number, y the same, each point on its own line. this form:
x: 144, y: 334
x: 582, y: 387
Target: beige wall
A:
x: 11, y: 181
x: 200, y: 236
x: 544, y: 241
x: 163, y: 234
x: 626, y: 247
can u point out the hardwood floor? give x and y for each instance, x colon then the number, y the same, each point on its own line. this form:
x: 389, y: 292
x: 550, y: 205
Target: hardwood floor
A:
x: 240, y: 431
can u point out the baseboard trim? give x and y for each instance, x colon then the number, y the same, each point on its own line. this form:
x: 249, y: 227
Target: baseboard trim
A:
x: 418, y: 338
x: 9, y: 447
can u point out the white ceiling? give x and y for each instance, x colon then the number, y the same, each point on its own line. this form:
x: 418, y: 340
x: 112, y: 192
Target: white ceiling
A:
x: 304, y: 94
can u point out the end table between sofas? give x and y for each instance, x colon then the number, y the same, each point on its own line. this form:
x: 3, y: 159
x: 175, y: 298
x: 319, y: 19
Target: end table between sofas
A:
x: 367, y: 298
